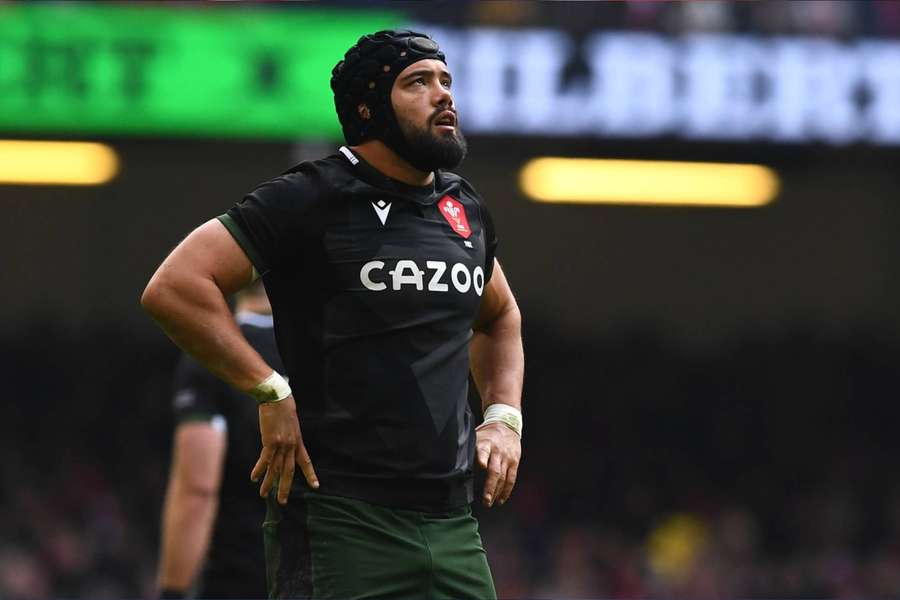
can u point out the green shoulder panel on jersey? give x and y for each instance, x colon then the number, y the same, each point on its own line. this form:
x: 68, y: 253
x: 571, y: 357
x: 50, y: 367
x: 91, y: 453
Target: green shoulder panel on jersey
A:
x: 244, y: 242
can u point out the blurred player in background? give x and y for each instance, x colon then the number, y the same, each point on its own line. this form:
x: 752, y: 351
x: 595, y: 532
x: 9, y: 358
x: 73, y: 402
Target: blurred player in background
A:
x: 209, y: 501
x: 385, y: 290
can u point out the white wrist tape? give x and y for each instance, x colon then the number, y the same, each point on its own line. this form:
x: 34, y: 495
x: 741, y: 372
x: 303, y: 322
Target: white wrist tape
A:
x: 273, y: 388
x: 506, y: 414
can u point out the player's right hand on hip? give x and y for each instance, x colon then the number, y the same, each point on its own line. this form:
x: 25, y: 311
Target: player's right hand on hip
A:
x: 282, y: 451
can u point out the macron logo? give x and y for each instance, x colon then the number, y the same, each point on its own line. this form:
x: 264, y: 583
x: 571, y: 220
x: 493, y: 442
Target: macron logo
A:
x: 382, y: 209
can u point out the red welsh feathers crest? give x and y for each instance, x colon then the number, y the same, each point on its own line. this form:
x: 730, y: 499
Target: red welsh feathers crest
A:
x: 455, y: 213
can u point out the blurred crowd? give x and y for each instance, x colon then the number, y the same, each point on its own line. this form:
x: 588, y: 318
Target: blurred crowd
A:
x: 700, y: 552
x: 761, y: 469
x: 86, y: 441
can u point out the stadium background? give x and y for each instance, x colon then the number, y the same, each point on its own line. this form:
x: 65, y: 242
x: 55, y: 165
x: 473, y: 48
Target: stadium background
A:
x: 711, y: 393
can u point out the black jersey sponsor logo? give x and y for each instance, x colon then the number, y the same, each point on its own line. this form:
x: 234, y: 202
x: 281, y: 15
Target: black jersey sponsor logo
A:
x: 437, y: 276
x: 382, y: 209
x: 455, y: 214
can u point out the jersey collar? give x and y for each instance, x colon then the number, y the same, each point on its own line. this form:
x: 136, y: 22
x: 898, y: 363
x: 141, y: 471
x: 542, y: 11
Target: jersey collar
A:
x: 427, y: 194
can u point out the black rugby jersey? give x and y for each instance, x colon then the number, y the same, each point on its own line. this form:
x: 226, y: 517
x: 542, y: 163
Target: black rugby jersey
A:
x: 235, y: 566
x: 374, y: 286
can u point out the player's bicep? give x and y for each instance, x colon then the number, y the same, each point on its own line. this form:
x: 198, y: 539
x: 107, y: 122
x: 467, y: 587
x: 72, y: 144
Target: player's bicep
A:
x: 198, y: 456
x: 497, y: 300
x: 211, y: 253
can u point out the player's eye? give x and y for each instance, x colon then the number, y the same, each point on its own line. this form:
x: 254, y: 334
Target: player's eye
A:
x: 446, y: 83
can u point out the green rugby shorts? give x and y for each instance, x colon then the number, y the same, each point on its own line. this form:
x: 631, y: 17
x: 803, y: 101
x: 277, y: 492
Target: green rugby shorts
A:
x: 335, y: 548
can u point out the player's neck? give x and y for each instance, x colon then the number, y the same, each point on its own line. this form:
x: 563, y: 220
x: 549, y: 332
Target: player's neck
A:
x: 377, y: 154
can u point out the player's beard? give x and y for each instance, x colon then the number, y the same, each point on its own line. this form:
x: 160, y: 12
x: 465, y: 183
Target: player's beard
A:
x: 430, y: 151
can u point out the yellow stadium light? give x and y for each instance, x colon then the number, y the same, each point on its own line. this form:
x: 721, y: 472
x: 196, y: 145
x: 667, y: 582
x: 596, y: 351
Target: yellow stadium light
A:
x: 647, y: 182
x: 56, y: 163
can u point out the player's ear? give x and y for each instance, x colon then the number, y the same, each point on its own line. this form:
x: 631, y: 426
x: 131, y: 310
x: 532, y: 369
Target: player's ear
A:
x: 364, y: 112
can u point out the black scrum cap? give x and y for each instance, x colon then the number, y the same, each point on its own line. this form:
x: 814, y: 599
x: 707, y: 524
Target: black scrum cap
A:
x: 366, y: 76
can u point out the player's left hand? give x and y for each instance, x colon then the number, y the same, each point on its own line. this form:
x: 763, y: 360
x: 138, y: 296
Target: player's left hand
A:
x: 499, y: 450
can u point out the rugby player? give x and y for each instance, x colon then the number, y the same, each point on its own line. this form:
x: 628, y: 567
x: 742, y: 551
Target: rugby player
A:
x: 211, y: 511
x: 381, y: 269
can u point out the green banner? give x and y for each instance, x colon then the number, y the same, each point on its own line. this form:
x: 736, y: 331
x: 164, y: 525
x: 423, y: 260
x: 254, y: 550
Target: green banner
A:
x: 182, y: 70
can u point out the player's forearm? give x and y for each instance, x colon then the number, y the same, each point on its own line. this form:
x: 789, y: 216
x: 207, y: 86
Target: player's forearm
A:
x: 194, y: 313
x: 497, y: 359
x: 188, y: 518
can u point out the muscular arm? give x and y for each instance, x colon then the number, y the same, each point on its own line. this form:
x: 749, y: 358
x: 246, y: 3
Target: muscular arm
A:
x: 497, y: 361
x: 496, y: 356
x: 187, y: 297
x: 191, y: 503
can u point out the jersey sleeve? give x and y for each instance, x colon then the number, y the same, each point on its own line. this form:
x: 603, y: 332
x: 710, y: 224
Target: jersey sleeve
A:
x: 490, y: 233
x: 490, y: 242
x: 267, y: 222
x: 198, y: 394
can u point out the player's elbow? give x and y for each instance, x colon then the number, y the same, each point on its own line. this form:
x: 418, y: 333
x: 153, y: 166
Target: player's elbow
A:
x: 157, y: 297
x: 152, y: 298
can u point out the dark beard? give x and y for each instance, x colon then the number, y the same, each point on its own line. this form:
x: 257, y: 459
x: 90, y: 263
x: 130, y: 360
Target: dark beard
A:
x: 429, y: 152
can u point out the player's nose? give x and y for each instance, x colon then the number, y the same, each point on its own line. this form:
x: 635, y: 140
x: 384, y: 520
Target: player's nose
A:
x: 442, y: 97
